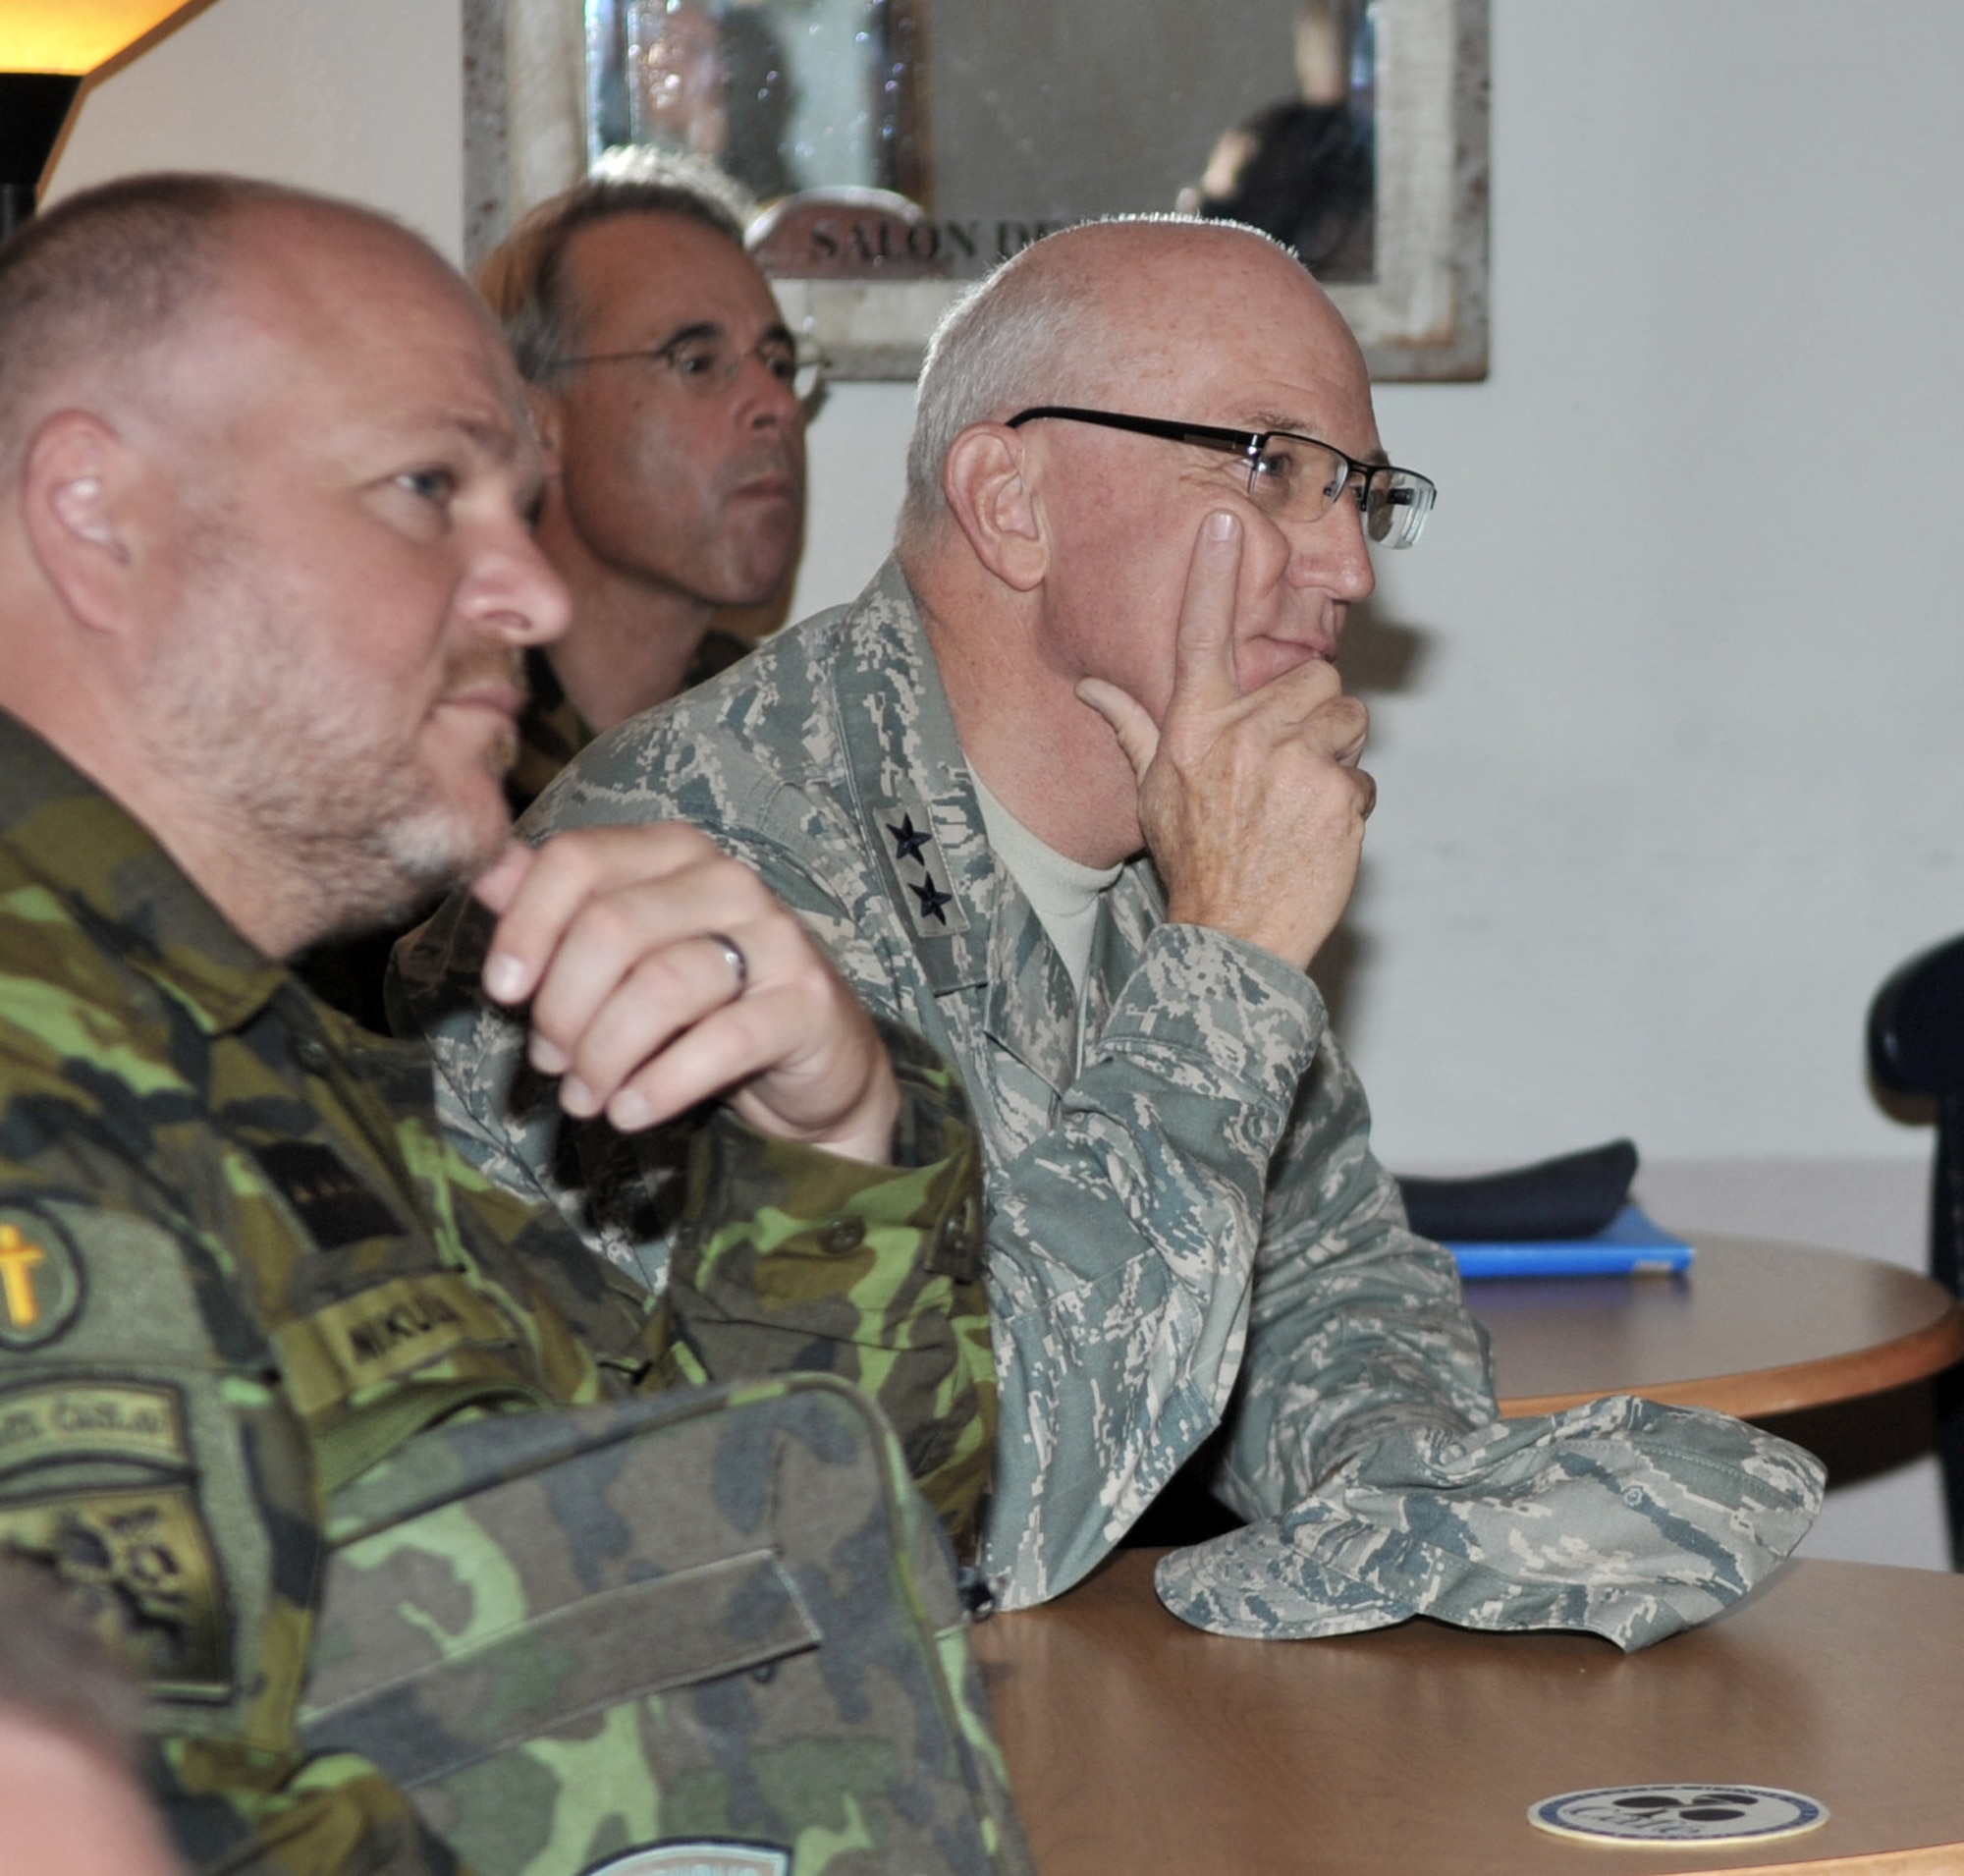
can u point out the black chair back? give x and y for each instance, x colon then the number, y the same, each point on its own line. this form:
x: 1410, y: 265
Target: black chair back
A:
x: 1916, y: 1046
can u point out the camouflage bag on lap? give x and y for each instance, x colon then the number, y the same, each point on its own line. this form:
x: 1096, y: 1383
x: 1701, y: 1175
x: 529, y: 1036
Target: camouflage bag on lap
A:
x: 713, y: 1632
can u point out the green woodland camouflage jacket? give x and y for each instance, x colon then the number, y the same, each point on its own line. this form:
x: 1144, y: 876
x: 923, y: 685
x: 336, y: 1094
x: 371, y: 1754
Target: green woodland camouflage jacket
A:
x: 238, y: 1266
x: 1186, y: 1225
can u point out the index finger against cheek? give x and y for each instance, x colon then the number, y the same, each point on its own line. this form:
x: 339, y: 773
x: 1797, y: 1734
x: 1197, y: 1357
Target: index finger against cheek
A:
x: 1204, y: 652
x: 567, y: 872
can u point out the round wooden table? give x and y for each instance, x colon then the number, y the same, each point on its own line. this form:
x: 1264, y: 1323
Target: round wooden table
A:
x: 1752, y: 1328
x: 1137, y: 1744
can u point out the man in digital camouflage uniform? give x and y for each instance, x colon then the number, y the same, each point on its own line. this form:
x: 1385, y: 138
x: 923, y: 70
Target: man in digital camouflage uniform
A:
x: 264, y: 583
x: 1073, y: 788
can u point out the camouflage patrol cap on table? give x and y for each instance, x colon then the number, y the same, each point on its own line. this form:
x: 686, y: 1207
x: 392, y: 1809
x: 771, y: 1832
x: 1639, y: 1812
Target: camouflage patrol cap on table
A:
x: 1623, y: 1516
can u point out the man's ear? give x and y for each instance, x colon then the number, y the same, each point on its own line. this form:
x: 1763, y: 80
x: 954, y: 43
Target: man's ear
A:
x: 995, y: 506
x: 80, y: 492
x: 548, y: 423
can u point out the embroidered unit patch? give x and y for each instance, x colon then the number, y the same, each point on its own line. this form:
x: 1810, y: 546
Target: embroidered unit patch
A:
x: 142, y: 1561
x: 53, y: 1422
x: 41, y: 1284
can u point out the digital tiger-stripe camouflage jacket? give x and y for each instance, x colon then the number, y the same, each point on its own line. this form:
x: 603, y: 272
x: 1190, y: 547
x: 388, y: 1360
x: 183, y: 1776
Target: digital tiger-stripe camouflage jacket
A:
x: 238, y: 1266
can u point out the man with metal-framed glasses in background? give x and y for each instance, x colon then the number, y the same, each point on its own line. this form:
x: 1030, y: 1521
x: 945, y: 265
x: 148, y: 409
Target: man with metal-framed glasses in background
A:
x: 671, y: 400
x: 1075, y: 789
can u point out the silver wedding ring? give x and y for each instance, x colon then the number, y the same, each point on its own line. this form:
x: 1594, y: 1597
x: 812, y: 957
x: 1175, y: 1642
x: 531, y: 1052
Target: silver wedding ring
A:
x: 733, y: 952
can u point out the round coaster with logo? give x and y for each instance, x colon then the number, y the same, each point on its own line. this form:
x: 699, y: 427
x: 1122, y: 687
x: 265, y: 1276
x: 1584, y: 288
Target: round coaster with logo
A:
x: 1678, y: 1814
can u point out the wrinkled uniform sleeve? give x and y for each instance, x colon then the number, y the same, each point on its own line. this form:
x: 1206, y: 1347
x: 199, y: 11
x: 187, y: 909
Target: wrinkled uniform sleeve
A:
x: 1200, y: 1224
x: 1217, y: 1130
x: 150, y: 1459
x: 1362, y: 1435
x: 763, y: 1255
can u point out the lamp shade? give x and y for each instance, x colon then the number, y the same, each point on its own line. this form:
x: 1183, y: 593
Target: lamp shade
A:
x: 47, y: 47
x: 74, y: 37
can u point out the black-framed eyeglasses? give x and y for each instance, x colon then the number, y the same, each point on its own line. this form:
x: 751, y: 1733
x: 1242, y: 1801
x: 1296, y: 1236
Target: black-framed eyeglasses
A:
x: 706, y: 363
x: 1295, y: 479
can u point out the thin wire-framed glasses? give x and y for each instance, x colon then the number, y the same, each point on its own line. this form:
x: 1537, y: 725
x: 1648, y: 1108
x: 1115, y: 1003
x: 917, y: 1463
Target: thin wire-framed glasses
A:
x: 706, y: 363
x: 1295, y: 479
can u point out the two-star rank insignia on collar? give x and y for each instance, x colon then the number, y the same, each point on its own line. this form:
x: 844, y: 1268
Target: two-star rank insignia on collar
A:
x: 919, y: 867
x: 908, y: 839
x: 934, y: 903
x: 40, y: 1277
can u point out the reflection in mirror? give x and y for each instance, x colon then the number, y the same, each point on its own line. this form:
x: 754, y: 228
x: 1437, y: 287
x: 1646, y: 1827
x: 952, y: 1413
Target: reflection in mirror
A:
x: 1305, y: 167
x: 999, y: 123
x: 783, y: 95
x: 905, y: 146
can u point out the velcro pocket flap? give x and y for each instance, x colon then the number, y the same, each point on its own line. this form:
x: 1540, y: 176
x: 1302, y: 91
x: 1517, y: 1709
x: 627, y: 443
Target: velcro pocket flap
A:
x: 488, y: 1692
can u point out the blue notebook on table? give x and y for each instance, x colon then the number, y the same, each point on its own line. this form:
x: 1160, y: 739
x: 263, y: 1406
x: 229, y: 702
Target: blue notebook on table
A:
x: 1629, y: 1242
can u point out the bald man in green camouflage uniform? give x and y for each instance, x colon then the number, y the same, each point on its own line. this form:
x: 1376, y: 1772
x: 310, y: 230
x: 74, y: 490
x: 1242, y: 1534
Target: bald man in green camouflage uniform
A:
x: 1110, y: 933
x: 264, y: 580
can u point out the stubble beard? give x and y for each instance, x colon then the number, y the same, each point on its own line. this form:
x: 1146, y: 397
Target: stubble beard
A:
x: 412, y: 847
x: 341, y: 828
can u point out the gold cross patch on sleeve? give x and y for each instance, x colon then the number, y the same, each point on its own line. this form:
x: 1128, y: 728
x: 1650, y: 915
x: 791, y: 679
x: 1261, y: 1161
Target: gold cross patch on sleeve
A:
x: 40, y: 1279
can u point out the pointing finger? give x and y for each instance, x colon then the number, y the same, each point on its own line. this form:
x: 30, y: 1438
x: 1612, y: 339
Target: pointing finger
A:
x: 1204, y: 653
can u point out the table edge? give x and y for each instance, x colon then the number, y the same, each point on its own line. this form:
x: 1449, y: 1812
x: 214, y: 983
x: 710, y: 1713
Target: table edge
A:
x: 1758, y: 1392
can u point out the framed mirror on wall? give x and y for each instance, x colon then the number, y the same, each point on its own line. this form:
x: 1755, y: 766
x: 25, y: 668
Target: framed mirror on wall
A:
x: 900, y: 148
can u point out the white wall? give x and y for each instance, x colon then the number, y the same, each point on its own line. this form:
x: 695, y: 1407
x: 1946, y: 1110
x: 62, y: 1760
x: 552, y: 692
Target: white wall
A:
x: 358, y: 97
x: 1679, y: 778
x: 1670, y: 777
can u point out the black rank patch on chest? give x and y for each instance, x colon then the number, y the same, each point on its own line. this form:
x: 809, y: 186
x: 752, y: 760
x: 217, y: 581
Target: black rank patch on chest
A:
x: 333, y: 1203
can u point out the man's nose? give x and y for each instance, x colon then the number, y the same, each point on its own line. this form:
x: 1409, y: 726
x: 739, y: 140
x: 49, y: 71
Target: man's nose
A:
x: 1333, y: 553
x: 765, y: 399
x: 515, y: 592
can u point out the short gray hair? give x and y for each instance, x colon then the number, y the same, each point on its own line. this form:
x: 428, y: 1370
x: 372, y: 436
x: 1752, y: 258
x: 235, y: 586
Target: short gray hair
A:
x: 106, y: 277
x: 1034, y: 332
x: 1005, y: 345
x: 524, y: 278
